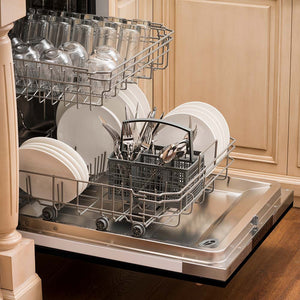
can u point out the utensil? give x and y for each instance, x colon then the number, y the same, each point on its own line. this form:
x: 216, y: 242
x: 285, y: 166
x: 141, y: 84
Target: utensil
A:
x: 115, y: 136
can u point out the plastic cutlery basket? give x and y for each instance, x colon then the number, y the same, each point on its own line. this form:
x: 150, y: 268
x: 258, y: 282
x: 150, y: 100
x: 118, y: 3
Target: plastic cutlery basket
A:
x: 148, y: 176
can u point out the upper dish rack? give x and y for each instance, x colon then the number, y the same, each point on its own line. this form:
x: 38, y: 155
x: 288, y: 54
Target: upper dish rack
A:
x: 79, y: 89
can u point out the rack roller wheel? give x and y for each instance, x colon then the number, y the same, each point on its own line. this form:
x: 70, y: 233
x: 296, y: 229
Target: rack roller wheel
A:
x: 49, y: 213
x: 138, y: 230
x: 102, y: 223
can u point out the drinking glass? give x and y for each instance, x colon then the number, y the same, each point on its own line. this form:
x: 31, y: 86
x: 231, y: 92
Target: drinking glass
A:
x: 54, y: 71
x: 128, y: 43
x: 103, y: 68
x: 105, y: 36
x: 41, y: 45
x: 84, y: 34
x: 63, y: 33
x: 76, y: 52
x: 26, y: 71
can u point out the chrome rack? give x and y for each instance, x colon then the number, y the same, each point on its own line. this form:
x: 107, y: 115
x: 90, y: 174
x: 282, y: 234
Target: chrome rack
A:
x: 105, y: 203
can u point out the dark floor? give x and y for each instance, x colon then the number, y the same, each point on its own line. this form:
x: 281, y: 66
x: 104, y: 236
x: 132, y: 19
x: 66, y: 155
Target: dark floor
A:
x: 273, y: 272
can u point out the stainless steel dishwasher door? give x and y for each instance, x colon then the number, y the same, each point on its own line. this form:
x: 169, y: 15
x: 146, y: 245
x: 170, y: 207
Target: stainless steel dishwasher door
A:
x: 210, y: 242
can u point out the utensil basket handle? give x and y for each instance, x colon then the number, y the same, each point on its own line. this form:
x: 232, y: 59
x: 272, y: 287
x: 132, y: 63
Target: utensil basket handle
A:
x: 186, y: 129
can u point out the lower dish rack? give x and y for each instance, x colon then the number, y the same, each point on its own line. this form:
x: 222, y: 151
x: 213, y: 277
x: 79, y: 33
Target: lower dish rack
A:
x: 103, y: 202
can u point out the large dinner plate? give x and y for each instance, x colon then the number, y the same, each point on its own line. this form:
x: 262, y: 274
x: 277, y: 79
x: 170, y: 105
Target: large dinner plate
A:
x: 210, y: 119
x: 215, y: 113
x: 142, y: 99
x: 42, y: 160
x: 82, y: 129
x: 203, y: 141
x: 74, y: 156
x: 115, y: 104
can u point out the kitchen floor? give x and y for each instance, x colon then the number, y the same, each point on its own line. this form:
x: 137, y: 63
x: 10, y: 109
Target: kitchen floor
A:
x: 272, y: 272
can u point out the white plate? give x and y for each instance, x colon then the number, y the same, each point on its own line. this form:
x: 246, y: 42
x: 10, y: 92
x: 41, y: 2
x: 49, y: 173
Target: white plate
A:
x: 204, y: 138
x: 82, y: 129
x: 64, y: 105
x: 40, y: 160
x: 217, y: 116
x: 134, y: 99
x: 82, y: 168
x: 83, y: 175
x: 115, y: 104
x: 135, y: 89
x: 209, y: 118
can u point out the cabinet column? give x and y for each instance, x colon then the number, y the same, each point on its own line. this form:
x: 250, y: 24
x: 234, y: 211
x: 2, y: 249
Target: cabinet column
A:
x: 9, y: 159
x: 18, y: 279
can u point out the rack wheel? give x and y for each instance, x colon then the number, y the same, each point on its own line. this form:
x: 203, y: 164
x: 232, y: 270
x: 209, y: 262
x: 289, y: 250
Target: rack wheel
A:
x: 49, y: 213
x: 138, y: 230
x: 102, y: 223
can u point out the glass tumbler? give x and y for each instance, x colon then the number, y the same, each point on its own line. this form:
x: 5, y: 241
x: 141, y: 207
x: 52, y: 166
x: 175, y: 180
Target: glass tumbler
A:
x: 101, y: 81
x: 105, y: 36
x: 84, y: 34
x: 76, y: 52
x: 63, y: 33
x: 55, y: 73
x: 26, y: 70
x: 41, y: 45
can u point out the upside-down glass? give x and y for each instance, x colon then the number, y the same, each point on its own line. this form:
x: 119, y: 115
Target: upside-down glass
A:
x: 41, y: 45
x: 84, y: 34
x: 25, y: 64
x: 63, y: 33
x: 105, y: 36
x: 76, y: 52
x: 101, y: 80
x: 55, y: 74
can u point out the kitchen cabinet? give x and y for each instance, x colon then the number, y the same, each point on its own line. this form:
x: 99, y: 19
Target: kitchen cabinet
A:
x: 243, y: 58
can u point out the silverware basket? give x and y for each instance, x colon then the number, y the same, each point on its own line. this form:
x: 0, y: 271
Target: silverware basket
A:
x: 148, y: 173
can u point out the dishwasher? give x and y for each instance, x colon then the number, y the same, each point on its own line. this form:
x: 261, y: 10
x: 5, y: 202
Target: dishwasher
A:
x: 205, y: 227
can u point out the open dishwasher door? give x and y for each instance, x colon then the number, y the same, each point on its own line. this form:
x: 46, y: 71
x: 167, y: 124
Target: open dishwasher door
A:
x: 211, y: 241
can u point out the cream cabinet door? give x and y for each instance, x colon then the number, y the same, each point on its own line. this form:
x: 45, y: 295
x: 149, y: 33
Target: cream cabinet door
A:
x: 234, y: 55
x: 134, y: 9
x: 294, y: 125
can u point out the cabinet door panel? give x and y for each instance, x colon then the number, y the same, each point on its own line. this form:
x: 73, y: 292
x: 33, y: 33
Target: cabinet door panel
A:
x: 235, y: 55
x: 294, y: 128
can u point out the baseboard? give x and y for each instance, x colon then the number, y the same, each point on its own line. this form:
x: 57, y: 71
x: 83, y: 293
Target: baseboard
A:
x: 287, y: 182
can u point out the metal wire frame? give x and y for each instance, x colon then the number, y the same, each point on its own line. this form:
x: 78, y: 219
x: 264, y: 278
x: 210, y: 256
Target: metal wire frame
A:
x: 79, y: 82
x: 120, y: 203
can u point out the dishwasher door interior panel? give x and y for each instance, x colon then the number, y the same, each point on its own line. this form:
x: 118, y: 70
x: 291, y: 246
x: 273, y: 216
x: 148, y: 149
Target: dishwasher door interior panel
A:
x: 210, y: 242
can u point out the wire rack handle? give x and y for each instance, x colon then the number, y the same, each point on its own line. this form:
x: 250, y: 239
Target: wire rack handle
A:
x: 189, y: 131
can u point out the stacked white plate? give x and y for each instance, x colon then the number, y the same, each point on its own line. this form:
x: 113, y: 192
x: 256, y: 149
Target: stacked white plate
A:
x: 52, y: 157
x: 132, y: 98
x: 211, y: 126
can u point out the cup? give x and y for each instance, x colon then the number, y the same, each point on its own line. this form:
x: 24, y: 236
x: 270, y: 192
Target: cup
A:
x: 128, y: 43
x: 26, y: 70
x: 63, y: 33
x: 84, y: 34
x: 41, y: 45
x: 105, y: 36
x: 101, y: 69
x: 76, y: 52
x: 55, y: 72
